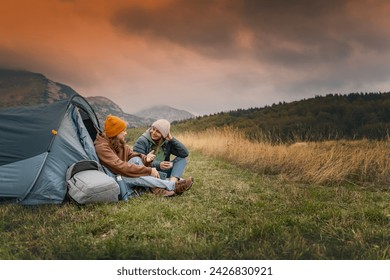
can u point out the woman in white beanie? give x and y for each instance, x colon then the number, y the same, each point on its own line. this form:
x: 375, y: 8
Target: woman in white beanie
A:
x: 159, y: 140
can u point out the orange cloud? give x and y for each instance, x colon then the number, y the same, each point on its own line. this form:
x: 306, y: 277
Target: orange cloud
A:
x: 239, y: 51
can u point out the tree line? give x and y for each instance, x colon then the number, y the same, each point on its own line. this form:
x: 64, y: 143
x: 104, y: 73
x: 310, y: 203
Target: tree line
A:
x: 330, y: 117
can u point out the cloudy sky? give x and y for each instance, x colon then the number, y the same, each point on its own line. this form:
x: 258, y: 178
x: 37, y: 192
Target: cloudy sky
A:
x: 204, y: 56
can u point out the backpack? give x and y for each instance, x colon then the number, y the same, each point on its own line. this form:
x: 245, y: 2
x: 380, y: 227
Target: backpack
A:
x: 87, y: 183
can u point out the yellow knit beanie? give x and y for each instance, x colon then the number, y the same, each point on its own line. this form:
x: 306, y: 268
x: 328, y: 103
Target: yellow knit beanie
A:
x: 113, y: 126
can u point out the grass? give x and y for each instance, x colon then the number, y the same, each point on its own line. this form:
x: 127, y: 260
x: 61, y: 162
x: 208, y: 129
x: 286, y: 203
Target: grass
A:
x: 230, y: 213
x: 330, y: 162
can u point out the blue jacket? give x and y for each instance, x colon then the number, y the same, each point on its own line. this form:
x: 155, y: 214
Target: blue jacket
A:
x: 145, y: 144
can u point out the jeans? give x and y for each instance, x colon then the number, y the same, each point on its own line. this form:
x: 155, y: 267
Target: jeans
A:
x: 144, y: 182
x: 147, y: 181
x: 179, y: 164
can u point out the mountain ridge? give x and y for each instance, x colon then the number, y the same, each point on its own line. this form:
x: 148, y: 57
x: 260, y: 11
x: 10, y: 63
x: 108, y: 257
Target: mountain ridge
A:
x: 104, y: 106
x: 164, y: 112
x: 26, y: 88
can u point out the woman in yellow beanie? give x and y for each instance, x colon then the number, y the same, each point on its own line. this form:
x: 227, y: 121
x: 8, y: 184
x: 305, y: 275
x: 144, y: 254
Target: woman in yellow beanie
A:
x: 120, y: 159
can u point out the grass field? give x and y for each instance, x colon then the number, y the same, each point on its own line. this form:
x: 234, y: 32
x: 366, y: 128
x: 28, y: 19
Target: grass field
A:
x: 230, y: 213
x: 329, y: 162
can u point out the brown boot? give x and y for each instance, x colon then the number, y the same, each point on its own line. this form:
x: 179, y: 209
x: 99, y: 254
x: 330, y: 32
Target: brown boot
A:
x: 184, y: 185
x: 162, y: 192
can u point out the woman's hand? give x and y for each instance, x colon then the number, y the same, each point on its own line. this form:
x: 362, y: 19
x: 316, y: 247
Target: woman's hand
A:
x: 169, y: 137
x: 155, y: 173
x: 164, y: 165
x: 150, y: 157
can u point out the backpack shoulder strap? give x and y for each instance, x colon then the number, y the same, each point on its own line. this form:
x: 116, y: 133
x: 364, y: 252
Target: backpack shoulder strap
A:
x: 82, y: 165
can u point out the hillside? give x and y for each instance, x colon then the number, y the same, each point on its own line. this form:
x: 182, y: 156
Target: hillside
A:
x: 165, y: 112
x: 23, y: 88
x: 331, y: 117
x: 104, y: 106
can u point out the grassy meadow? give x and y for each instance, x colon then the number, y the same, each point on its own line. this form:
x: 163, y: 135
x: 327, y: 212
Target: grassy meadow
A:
x: 327, y: 162
x: 250, y: 200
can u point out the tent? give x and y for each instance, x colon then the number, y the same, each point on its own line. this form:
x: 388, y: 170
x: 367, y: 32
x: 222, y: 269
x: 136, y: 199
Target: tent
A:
x: 37, y: 145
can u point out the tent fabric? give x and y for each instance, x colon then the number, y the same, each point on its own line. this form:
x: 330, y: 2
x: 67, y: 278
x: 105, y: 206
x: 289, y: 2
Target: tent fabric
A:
x: 18, y: 177
x: 27, y: 132
x: 33, y: 160
x: 71, y: 144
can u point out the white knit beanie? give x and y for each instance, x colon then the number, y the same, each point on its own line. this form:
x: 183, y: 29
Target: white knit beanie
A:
x: 163, y: 126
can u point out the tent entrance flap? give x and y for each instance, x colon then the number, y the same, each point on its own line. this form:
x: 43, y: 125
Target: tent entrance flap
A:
x: 71, y: 144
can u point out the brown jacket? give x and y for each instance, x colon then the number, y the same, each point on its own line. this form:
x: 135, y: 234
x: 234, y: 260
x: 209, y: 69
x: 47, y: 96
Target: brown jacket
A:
x: 117, y: 162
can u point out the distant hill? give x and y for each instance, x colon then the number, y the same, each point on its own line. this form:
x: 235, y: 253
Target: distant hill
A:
x: 104, y: 106
x: 165, y: 112
x: 330, y: 117
x: 23, y: 88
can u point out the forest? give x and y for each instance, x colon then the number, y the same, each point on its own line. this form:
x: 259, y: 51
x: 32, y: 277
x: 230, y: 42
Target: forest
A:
x: 332, y: 117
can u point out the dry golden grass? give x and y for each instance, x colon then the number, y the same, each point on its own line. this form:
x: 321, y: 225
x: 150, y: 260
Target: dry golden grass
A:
x: 329, y: 162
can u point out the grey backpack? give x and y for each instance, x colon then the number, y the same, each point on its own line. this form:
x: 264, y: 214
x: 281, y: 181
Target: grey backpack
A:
x: 87, y: 183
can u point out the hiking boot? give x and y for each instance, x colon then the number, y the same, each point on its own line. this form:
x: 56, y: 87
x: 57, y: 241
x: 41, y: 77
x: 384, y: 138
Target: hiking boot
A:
x: 162, y: 192
x: 184, y: 185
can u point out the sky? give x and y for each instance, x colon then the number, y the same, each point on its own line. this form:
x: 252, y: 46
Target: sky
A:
x: 203, y: 56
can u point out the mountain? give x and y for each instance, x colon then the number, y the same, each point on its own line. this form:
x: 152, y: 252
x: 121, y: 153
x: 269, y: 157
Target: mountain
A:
x: 104, y: 106
x: 23, y: 88
x: 164, y: 112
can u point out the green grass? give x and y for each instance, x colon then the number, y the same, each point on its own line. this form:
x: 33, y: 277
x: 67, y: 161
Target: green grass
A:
x: 230, y: 213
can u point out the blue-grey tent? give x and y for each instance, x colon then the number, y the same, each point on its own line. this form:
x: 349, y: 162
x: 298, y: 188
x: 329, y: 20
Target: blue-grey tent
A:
x: 37, y: 145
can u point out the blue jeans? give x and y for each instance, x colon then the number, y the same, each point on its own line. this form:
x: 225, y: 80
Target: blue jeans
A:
x: 177, y: 170
x: 144, y: 182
